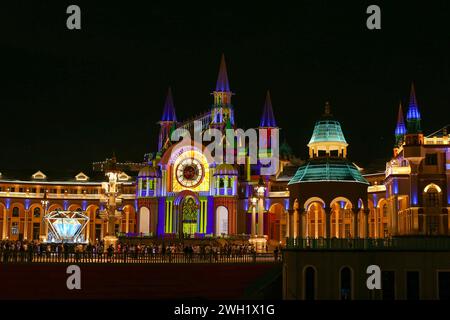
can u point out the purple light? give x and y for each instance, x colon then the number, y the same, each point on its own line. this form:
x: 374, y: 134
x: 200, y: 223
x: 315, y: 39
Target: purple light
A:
x: 286, y: 204
x: 8, y: 203
x: 161, y: 213
x: 210, y: 220
x: 27, y: 204
x: 375, y: 201
x: 414, y: 198
x: 65, y: 204
x: 395, y: 182
x: 84, y: 205
x: 267, y: 205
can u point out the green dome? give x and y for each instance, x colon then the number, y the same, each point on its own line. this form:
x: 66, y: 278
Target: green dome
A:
x: 327, y: 130
x: 328, y: 169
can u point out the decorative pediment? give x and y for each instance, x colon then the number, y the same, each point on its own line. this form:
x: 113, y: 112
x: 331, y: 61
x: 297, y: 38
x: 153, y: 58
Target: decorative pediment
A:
x: 81, y: 177
x: 39, y: 175
x: 123, y: 176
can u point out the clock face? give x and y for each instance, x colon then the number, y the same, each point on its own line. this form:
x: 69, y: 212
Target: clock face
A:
x: 189, y: 172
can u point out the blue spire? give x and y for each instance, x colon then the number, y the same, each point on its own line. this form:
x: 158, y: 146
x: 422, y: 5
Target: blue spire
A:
x: 413, y: 115
x: 222, y: 80
x: 169, y: 108
x: 268, y: 119
x: 400, y: 129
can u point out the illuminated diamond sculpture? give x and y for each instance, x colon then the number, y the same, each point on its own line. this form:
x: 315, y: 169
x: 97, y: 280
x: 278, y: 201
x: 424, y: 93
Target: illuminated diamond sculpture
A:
x: 67, y: 226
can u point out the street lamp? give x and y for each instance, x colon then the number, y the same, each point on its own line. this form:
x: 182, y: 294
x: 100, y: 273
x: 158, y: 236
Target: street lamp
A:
x: 260, y: 191
x: 258, y: 239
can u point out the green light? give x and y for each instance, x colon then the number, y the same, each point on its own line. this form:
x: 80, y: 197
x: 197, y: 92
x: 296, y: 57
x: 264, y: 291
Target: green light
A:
x: 325, y: 169
x: 327, y: 131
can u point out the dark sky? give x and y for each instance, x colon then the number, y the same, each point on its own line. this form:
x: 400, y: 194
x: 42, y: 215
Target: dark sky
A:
x: 72, y: 97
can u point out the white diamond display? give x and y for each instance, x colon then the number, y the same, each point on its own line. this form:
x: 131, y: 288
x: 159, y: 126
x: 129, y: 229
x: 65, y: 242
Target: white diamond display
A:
x: 67, y: 226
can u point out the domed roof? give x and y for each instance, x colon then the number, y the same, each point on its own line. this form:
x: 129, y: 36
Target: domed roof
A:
x: 226, y: 169
x: 328, y: 169
x: 150, y: 172
x: 327, y: 129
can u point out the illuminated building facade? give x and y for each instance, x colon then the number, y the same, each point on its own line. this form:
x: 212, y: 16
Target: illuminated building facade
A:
x: 182, y: 191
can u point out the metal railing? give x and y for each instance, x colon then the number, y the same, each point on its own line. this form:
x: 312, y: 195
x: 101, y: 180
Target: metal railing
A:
x: 88, y: 257
x: 406, y: 243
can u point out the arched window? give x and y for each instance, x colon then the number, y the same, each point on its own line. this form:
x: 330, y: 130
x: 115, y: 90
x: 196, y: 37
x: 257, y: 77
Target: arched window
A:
x: 310, y: 283
x: 37, y: 212
x: 432, y: 197
x: 385, y: 210
x: 346, y: 284
x: 15, y: 212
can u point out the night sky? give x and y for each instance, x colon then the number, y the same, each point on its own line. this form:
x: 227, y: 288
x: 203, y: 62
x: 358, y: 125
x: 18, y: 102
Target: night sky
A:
x: 69, y: 98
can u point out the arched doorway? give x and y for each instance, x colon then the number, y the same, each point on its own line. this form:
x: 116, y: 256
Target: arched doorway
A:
x: 276, y: 212
x: 221, y: 220
x: 144, y: 220
x: 345, y: 285
x: 189, y: 216
x: 310, y: 283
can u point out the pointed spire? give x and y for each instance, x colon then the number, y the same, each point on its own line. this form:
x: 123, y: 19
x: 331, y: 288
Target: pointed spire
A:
x: 413, y: 114
x: 222, y: 80
x: 169, y: 108
x: 268, y: 119
x: 327, y: 110
x: 400, y: 129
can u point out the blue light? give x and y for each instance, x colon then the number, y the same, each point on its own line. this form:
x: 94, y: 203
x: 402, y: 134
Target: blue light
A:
x: 414, y: 198
x: 66, y: 204
x: 400, y: 129
x: 27, y: 204
x: 246, y: 204
x: 66, y: 228
x: 84, y: 205
x: 286, y: 204
x: 375, y: 201
x: 413, y: 112
x: 395, y: 182
x: 8, y: 203
x: 342, y: 204
x: 267, y: 204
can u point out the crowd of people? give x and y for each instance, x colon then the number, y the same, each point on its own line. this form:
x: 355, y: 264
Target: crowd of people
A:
x: 26, y: 250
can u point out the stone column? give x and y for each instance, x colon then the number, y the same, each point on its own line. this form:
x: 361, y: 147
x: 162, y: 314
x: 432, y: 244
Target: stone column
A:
x: 366, y: 223
x: 328, y: 222
x: 5, y: 224
x: 127, y: 221
x: 288, y: 220
x: 25, y: 225
x: 301, y: 222
x: 376, y: 226
x: 355, y: 223
x: 395, y: 215
x: 304, y: 222
x: 261, y: 216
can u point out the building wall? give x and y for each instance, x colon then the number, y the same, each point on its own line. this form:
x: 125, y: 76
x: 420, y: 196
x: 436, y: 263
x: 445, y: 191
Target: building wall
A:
x: 328, y: 264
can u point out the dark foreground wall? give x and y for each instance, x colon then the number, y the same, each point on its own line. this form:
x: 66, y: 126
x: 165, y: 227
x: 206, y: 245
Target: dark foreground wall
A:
x: 146, y: 281
x: 318, y: 274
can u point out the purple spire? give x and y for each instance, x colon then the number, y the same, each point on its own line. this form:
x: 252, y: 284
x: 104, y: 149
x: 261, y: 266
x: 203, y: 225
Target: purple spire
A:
x: 413, y: 115
x: 169, y: 108
x: 413, y: 110
x: 268, y: 119
x: 401, y: 128
x: 222, y: 80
